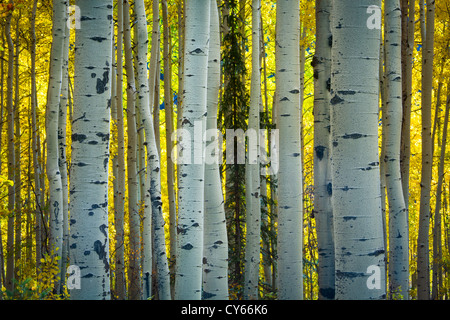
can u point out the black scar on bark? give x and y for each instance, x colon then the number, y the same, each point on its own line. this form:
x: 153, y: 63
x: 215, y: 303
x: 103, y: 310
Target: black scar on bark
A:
x: 101, y: 83
x: 327, y: 293
x: 99, y: 248
x: 354, y: 136
x: 98, y: 39
x: 320, y: 150
x: 330, y: 189
x: 347, y: 92
x: 103, y: 229
x: 78, y: 137
x: 187, y: 246
x: 336, y: 99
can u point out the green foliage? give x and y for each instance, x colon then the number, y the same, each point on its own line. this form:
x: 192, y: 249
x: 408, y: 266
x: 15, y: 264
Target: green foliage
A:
x: 40, y: 288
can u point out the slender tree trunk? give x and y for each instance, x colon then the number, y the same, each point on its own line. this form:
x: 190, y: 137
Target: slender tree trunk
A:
x: 62, y: 133
x: 252, y: 172
x: 120, y: 287
x: 405, y: 148
x: 437, y: 243
x: 134, y: 283
x: 423, y: 251
x: 2, y: 59
x: 169, y: 143
x: 398, y: 227
x: 322, y: 172
x: 359, y: 247
x: 153, y: 194
x: 35, y: 148
x: 188, y: 278
x: 290, y: 194
x: 11, y: 161
x: 89, y: 240
x: 17, y: 159
x: 53, y: 102
x: 215, y: 247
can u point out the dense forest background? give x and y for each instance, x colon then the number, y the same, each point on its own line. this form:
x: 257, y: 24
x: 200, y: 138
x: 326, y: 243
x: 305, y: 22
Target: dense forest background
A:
x: 45, y: 133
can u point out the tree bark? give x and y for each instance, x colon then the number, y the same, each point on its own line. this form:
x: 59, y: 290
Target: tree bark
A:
x: 89, y: 239
x: 359, y: 248
x: 120, y: 286
x: 188, y: 278
x: 437, y: 232
x: 322, y: 172
x: 134, y: 286
x: 423, y: 250
x: 153, y: 193
x: 398, y: 222
x: 62, y: 144
x: 11, y: 161
x: 252, y: 172
x: 290, y: 194
x: 53, y: 102
x: 215, y: 248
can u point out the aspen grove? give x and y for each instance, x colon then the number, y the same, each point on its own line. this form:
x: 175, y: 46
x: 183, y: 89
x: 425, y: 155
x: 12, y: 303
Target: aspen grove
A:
x: 224, y: 150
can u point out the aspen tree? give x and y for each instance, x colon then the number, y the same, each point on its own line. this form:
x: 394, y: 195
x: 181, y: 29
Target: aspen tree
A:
x: 89, y: 239
x: 153, y: 201
x: 437, y: 243
x: 120, y: 209
x: 423, y: 250
x: 407, y: 60
x: 36, y: 151
x: 290, y: 215
x: 356, y: 200
x: 398, y: 228
x: 323, y: 211
x: 62, y: 144
x: 11, y: 167
x: 215, y: 250
x: 53, y: 102
x: 188, y: 278
x: 252, y: 172
x: 17, y: 158
x: 169, y: 130
x: 134, y: 282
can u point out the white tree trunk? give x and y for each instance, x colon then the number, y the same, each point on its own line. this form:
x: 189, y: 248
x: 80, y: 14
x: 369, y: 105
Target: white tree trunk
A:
x: 153, y: 202
x: 398, y: 223
x: 53, y: 101
x: 359, y: 248
x: 89, y: 241
x: 290, y: 194
x: 134, y: 272
x: 215, y: 250
x: 323, y: 211
x: 252, y: 172
x: 188, y: 278
x: 62, y: 134
x: 168, y: 102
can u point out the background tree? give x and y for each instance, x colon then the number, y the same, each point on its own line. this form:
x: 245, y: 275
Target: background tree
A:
x: 322, y: 172
x: 423, y: 250
x: 398, y: 227
x: 253, y: 171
